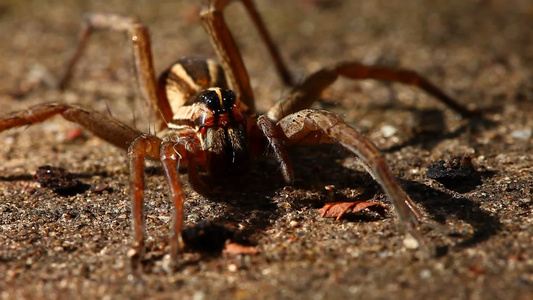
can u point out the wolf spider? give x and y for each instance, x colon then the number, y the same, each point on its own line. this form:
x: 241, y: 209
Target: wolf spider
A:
x: 213, y: 130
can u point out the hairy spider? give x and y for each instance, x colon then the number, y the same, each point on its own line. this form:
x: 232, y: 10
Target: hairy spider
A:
x: 209, y: 121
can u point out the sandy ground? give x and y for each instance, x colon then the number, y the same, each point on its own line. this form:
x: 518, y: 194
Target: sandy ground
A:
x: 481, y: 52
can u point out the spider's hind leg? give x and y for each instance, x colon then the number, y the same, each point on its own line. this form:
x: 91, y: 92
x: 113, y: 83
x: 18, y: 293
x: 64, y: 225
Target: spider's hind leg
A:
x: 306, y: 93
x: 139, y: 36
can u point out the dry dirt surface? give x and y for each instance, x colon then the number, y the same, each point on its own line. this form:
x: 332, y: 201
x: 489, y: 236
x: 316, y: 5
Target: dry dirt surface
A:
x: 67, y: 246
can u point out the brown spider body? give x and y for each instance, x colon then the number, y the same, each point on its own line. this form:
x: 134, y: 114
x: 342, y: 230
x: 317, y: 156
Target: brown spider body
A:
x: 212, y: 118
x: 219, y: 129
x: 213, y: 130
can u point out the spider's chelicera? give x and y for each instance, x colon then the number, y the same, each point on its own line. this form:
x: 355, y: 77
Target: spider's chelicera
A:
x: 210, y: 124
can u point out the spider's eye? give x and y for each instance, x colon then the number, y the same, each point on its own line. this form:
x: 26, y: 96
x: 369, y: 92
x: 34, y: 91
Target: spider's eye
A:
x: 228, y: 98
x: 218, y: 100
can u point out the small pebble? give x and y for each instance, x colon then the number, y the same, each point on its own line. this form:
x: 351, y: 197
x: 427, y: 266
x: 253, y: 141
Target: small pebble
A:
x: 73, y: 134
x: 521, y: 134
x: 199, y: 295
x: 233, y: 268
x: 193, y: 218
x: 164, y: 218
x: 425, y: 274
x: 410, y: 243
x: 329, y: 188
x: 388, y: 131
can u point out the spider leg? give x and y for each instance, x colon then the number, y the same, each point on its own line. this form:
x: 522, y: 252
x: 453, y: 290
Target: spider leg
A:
x: 308, y: 127
x: 265, y: 36
x: 229, y: 54
x: 101, y: 125
x: 113, y: 131
x: 170, y: 158
x: 171, y: 152
x: 306, y: 93
x: 140, y: 148
x: 269, y: 130
x: 142, y: 57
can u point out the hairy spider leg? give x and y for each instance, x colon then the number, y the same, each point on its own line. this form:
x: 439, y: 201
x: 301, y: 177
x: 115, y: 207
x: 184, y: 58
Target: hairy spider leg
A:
x: 229, y: 54
x: 101, y: 125
x: 306, y: 93
x: 142, y: 57
x: 139, y: 36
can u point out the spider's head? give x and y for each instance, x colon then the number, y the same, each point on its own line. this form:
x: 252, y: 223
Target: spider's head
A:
x: 223, y: 132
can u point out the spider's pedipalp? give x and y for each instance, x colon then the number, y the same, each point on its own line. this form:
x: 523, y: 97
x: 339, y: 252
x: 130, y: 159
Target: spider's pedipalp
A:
x: 269, y: 130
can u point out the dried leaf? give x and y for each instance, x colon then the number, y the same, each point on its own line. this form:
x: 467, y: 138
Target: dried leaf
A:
x: 475, y: 270
x: 74, y: 134
x: 236, y: 249
x: 339, y: 209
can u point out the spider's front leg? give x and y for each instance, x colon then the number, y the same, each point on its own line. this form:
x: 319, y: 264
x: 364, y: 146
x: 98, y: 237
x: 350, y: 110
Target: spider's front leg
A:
x: 101, y: 125
x: 309, y: 127
x: 229, y: 54
x: 174, y: 152
x: 139, y: 147
x: 171, y: 151
x: 142, y: 147
x: 119, y: 134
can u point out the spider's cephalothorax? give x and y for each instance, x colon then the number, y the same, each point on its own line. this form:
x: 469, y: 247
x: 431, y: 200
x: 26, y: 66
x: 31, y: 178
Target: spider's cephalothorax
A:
x: 213, y: 131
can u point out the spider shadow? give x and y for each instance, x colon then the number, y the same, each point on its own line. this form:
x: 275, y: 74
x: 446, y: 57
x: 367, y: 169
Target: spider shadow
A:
x: 442, y: 206
x: 251, y: 202
x: 318, y: 166
x: 467, y: 183
x: 30, y: 177
x: 247, y: 202
x: 430, y: 129
x: 315, y: 170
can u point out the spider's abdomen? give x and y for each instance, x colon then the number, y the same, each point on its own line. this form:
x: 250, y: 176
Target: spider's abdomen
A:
x: 183, y: 81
